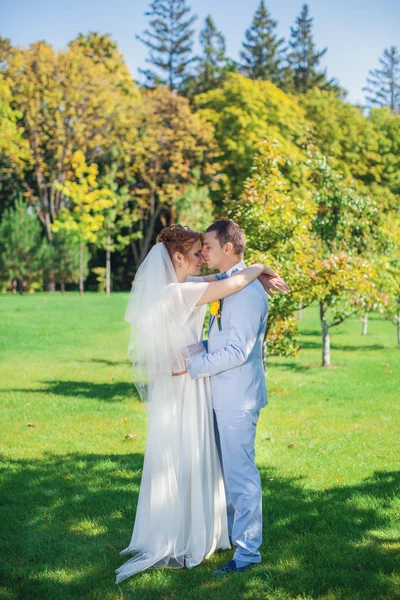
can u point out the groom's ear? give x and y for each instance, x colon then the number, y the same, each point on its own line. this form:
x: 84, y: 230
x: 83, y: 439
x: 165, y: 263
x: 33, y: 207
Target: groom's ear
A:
x: 228, y: 248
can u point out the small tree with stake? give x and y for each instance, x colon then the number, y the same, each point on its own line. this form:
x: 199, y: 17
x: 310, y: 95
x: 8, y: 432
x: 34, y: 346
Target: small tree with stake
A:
x: 84, y: 219
x: 344, y: 276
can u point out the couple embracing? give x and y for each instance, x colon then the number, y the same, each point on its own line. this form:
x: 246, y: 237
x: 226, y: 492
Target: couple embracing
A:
x: 200, y: 489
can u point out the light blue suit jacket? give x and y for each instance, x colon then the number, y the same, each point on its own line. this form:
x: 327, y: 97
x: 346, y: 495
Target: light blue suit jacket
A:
x: 234, y: 359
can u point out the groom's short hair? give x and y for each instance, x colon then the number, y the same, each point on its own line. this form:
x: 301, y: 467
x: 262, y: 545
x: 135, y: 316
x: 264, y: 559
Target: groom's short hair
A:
x: 229, y: 231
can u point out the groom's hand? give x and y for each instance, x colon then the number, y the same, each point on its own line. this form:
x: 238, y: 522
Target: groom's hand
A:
x: 272, y: 282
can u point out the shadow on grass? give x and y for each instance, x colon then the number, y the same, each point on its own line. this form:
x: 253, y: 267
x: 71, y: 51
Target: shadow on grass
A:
x: 292, y: 366
x: 109, y: 392
x: 362, y: 347
x: 68, y: 517
x: 111, y: 363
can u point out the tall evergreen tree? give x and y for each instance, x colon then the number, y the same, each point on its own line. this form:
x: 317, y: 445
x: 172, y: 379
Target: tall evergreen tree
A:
x: 263, y: 53
x: 170, y: 42
x: 384, y: 84
x: 21, y: 247
x: 213, y: 64
x: 304, y: 59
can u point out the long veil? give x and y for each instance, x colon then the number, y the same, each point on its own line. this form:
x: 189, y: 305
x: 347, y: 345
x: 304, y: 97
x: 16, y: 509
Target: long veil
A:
x: 158, y: 311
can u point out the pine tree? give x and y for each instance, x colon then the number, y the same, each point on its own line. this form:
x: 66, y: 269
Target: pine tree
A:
x: 213, y: 64
x: 20, y: 246
x: 384, y: 83
x: 170, y: 41
x: 263, y: 53
x: 304, y: 58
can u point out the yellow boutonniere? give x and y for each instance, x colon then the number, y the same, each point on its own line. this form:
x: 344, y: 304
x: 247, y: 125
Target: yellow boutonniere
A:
x: 215, y: 310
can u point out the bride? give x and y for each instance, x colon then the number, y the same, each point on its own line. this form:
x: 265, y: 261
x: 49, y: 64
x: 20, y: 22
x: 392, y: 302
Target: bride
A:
x: 181, y: 513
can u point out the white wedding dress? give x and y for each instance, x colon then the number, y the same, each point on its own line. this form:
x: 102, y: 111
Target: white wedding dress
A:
x: 181, y: 512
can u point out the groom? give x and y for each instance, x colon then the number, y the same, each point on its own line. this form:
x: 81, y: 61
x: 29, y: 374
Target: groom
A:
x: 234, y: 363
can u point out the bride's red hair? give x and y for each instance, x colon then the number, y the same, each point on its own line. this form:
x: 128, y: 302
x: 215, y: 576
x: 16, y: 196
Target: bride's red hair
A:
x: 178, y: 238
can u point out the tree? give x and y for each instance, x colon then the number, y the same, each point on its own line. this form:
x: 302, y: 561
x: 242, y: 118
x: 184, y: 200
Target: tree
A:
x: 85, y: 218
x: 212, y: 66
x: 243, y: 112
x: 117, y: 216
x: 170, y: 41
x: 177, y: 149
x: 384, y: 84
x: 60, y: 260
x: 342, y: 132
x: 304, y: 59
x: 344, y: 274
x: 263, y: 53
x: 101, y: 49
x: 20, y: 246
x: 15, y: 156
x: 67, y: 103
x: 276, y: 216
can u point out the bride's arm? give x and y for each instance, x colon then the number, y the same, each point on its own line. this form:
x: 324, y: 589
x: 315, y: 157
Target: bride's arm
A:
x: 206, y: 278
x: 231, y: 285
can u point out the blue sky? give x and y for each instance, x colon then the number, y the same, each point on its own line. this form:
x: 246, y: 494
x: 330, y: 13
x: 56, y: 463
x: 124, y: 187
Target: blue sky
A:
x: 355, y: 31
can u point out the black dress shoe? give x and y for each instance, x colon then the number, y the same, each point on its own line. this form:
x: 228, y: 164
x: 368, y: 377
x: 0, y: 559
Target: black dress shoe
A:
x: 232, y: 568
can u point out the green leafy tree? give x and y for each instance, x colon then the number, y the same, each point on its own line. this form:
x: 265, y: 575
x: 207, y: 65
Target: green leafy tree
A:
x: 343, y: 274
x: 383, y: 84
x: 263, y: 52
x: 276, y: 216
x: 243, y: 112
x: 60, y: 260
x: 20, y: 246
x: 304, y: 59
x: 169, y: 39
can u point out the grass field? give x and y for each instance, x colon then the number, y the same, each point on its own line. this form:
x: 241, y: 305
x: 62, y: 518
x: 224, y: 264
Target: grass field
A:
x: 327, y: 447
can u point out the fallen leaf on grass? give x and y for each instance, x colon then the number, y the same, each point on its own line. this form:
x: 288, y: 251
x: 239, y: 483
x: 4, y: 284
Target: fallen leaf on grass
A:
x: 291, y: 445
x: 28, y: 403
x: 131, y: 435
x: 327, y: 490
x: 31, y: 424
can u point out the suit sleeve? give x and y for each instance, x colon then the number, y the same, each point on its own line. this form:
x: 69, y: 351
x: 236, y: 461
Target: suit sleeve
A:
x: 247, y: 313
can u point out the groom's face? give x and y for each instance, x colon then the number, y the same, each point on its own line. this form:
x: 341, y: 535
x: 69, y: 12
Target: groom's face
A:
x: 212, y: 252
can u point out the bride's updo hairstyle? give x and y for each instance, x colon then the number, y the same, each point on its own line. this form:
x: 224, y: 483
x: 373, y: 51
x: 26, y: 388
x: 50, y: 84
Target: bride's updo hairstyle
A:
x: 178, y: 238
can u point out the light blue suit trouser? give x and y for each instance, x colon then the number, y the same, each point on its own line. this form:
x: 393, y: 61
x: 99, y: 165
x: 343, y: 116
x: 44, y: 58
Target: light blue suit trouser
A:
x: 235, y: 432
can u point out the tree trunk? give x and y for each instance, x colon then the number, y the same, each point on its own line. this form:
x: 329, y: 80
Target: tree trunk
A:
x: 108, y: 266
x: 50, y: 285
x: 81, y: 269
x: 326, y: 343
x: 62, y: 286
x: 364, y: 321
x: 398, y: 331
x: 300, y: 312
x: 14, y: 286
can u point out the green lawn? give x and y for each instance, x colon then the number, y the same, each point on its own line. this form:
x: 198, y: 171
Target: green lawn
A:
x: 327, y: 448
